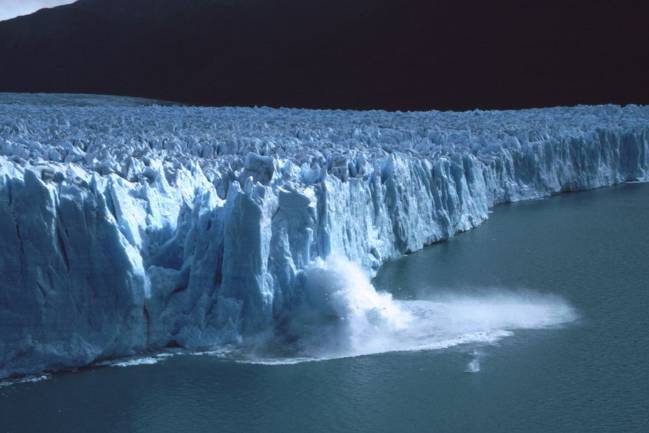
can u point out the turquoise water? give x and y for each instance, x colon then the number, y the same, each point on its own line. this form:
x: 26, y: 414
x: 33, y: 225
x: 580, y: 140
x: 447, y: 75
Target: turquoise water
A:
x: 590, y: 375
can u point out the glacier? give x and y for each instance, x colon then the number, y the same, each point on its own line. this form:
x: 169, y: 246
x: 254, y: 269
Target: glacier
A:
x: 129, y: 226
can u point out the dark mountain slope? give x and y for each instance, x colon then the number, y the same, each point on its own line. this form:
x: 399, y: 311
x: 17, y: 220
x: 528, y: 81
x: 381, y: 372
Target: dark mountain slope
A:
x: 395, y: 54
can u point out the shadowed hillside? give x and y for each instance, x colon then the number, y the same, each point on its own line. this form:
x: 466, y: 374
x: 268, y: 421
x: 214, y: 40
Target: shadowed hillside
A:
x: 406, y: 54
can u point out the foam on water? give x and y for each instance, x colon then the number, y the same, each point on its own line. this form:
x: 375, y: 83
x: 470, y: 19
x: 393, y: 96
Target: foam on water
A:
x: 26, y: 379
x: 131, y: 362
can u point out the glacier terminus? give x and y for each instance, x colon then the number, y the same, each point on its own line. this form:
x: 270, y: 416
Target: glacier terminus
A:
x: 128, y: 226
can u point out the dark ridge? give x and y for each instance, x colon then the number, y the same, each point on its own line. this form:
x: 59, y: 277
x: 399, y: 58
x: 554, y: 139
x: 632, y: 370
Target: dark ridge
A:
x: 391, y: 54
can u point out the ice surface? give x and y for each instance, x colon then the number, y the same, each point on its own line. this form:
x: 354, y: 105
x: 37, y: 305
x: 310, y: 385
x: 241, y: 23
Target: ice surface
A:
x: 128, y: 227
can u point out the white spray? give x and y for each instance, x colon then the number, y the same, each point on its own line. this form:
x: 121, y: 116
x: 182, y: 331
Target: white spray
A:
x: 343, y: 315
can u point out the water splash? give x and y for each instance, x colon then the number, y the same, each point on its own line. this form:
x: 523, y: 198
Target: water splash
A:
x: 343, y: 315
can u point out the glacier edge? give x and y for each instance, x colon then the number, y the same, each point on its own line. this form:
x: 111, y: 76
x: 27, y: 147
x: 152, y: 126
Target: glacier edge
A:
x: 134, y: 229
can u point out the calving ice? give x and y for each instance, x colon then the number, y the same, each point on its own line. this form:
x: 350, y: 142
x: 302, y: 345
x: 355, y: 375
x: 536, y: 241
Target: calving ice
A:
x: 129, y: 227
x: 342, y: 315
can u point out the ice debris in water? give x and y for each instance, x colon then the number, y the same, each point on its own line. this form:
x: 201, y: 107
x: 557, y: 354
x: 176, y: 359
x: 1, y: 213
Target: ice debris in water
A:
x: 474, y: 364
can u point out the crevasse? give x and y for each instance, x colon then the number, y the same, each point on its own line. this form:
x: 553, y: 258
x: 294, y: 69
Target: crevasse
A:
x: 129, y: 227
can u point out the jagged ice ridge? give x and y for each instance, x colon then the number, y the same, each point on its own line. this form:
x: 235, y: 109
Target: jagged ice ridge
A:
x: 129, y: 227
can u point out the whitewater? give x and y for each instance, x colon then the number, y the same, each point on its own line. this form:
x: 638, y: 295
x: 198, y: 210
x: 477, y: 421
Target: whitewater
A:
x: 129, y: 227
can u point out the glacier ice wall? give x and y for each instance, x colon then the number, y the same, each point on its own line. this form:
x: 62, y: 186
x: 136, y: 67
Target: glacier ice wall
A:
x: 128, y: 227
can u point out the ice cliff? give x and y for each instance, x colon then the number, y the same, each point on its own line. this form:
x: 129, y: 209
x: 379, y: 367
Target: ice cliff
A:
x: 128, y: 227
